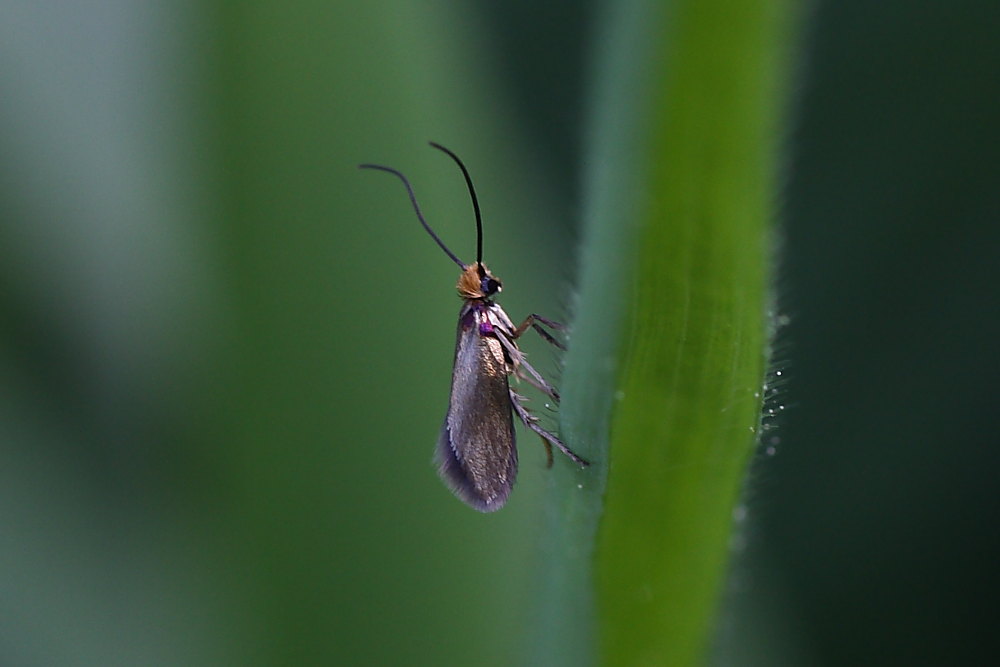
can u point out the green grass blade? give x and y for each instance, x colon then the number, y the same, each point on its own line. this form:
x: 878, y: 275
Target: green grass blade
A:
x: 670, y: 337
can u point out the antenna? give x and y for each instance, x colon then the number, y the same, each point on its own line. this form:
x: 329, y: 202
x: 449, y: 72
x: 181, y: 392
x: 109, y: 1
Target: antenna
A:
x: 475, y: 204
x: 416, y: 207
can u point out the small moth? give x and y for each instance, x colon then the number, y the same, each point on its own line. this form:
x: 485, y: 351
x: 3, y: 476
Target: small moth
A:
x: 476, y: 453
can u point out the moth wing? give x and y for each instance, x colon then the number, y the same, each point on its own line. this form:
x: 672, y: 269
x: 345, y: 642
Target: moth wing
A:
x: 476, y: 451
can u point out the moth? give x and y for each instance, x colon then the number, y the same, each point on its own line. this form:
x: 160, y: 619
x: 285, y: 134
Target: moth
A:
x: 476, y: 450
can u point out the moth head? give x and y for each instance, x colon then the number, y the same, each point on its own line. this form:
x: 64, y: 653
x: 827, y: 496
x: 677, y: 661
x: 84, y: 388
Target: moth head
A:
x: 476, y: 282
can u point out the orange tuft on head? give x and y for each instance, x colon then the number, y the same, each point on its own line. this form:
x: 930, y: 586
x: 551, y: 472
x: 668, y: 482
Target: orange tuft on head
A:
x: 471, y: 283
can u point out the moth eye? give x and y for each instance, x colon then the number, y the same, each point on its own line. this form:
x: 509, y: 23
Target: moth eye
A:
x: 490, y: 286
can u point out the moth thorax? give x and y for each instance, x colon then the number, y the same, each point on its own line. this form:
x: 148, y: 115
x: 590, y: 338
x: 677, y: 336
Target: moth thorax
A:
x: 476, y: 282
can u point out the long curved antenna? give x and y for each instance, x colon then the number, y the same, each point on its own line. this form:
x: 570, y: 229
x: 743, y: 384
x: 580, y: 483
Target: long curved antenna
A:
x: 475, y: 203
x: 416, y: 207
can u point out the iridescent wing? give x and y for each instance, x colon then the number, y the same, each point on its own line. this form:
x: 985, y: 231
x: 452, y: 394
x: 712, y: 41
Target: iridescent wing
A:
x: 476, y: 449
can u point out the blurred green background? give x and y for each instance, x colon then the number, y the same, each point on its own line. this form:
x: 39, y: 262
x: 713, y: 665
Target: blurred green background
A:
x: 224, y: 352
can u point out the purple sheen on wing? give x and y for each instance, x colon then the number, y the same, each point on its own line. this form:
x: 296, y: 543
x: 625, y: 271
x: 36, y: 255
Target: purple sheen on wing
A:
x: 451, y: 471
x: 485, y: 327
x: 468, y: 318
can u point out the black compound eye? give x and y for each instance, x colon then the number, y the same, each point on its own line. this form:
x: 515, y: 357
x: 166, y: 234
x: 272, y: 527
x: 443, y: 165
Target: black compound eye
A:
x: 490, y: 286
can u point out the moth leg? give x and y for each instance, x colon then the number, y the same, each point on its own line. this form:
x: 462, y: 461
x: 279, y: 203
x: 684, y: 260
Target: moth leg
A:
x: 532, y: 321
x: 548, y: 452
x: 528, y: 420
x: 533, y: 378
x: 541, y: 386
x: 531, y: 421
